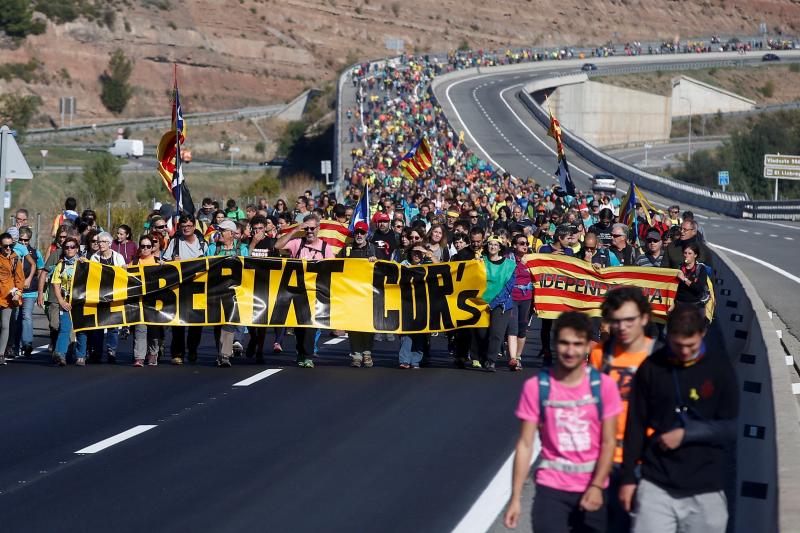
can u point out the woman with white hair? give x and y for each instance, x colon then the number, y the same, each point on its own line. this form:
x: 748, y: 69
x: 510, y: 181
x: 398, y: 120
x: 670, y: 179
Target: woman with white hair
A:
x: 105, y: 256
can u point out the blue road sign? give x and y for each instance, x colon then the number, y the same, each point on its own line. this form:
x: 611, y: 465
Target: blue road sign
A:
x: 723, y: 178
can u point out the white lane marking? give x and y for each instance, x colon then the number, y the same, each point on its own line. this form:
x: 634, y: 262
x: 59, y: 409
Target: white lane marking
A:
x: 464, y: 125
x: 336, y: 340
x: 257, y: 377
x: 770, y: 266
x: 715, y: 225
x: 40, y: 349
x: 796, y: 388
x: 744, y: 230
x: 773, y: 235
x: 116, y: 439
x: 775, y: 224
x: 493, y: 499
x: 757, y: 233
x: 789, y: 238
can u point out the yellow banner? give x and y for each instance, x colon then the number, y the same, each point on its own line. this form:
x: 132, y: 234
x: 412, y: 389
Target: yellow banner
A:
x: 343, y: 294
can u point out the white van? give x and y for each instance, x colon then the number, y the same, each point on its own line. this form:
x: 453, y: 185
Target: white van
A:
x: 127, y: 148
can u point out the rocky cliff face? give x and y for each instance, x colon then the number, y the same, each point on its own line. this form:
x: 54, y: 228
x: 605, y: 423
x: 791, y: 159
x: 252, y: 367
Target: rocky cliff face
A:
x: 234, y: 53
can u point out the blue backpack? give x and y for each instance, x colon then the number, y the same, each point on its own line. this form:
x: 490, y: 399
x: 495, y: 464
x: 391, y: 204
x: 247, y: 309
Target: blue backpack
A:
x: 544, y: 392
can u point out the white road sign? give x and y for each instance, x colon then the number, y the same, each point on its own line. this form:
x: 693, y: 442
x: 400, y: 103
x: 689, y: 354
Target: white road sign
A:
x: 16, y: 167
x: 785, y: 167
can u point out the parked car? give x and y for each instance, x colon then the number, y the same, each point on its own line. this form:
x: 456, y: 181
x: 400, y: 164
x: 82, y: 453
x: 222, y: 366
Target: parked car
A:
x: 604, y: 183
x: 770, y: 57
x: 127, y: 148
x: 588, y: 66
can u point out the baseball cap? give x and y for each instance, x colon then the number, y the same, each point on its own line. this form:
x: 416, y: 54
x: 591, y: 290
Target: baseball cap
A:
x: 361, y: 226
x: 227, y: 224
x: 382, y: 217
x: 654, y: 234
x: 453, y: 214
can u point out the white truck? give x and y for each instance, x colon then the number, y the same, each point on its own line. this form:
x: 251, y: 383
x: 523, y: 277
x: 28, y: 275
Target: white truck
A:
x: 127, y: 148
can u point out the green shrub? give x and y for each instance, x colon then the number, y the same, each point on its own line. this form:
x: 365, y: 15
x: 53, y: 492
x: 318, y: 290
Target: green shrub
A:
x: 116, y: 91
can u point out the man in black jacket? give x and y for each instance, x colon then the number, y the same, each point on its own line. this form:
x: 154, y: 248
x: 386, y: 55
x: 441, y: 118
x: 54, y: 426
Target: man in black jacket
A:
x: 673, y: 256
x: 360, y: 342
x: 383, y: 238
x: 681, y: 416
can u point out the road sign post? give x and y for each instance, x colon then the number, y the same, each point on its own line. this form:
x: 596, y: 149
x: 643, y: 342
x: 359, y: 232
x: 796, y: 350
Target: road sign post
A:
x: 12, y: 165
x: 724, y: 179
x: 785, y: 167
x: 44, y: 155
x: 325, y: 168
x: 646, y: 148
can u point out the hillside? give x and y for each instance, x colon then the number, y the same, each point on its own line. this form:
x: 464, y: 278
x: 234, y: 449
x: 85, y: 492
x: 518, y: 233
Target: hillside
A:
x: 235, y: 53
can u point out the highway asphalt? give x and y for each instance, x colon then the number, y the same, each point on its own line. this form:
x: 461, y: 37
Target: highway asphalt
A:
x: 504, y: 130
x: 661, y: 156
x: 329, y: 449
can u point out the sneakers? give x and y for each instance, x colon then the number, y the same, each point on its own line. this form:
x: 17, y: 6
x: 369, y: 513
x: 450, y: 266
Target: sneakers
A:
x: 390, y: 337
x: 368, y: 359
x: 178, y: 360
x: 138, y: 362
x: 80, y: 361
x: 404, y: 366
x: 276, y: 348
x: 3, y: 360
x: 489, y: 367
x: 152, y: 360
x: 59, y: 360
x: 111, y: 358
x: 515, y: 365
x: 356, y: 360
x: 27, y: 351
x: 476, y: 363
x: 379, y: 337
x: 305, y: 363
x: 237, y: 349
x: 224, y: 361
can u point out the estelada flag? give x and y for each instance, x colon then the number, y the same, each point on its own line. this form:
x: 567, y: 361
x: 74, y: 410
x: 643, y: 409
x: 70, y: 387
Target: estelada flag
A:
x: 335, y: 234
x: 562, y: 283
x: 417, y: 160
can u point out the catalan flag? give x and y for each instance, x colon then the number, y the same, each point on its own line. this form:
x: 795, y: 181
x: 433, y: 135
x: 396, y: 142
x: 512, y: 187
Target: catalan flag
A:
x: 332, y: 232
x: 417, y: 160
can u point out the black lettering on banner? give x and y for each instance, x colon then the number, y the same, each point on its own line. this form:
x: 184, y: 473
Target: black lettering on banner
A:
x: 324, y: 271
x: 569, y: 282
x: 546, y: 281
x: 261, y: 274
x: 437, y: 295
x: 559, y: 282
x: 464, y: 299
x: 190, y: 287
x: 384, y: 273
x: 656, y: 297
x: 224, y: 273
x: 158, y: 282
x: 132, y: 307
x: 592, y: 288
x: 105, y: 317
x: 78, y: 298
x: 413, y: 298
x: 294, y: 295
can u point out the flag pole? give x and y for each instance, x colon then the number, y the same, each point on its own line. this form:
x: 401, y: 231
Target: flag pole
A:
x: 176, y: 194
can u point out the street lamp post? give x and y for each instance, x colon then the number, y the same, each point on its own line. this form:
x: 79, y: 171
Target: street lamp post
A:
x: 690, y: 126
x: 646, y: 148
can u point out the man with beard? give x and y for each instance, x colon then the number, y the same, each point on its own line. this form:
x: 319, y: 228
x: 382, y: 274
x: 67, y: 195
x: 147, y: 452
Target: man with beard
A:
x: 383, y: 238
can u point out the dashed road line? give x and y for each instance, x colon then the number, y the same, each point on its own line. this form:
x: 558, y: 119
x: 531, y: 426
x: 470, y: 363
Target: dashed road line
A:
x: 116, y: 439
x: 257, y: 377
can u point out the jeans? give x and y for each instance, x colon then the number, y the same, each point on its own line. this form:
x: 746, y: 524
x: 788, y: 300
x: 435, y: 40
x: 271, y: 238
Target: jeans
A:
x: 25, y: 323
x: 5, y: 327
x: 411, y: 347
x: 64, y: 333
x: 146, y: 340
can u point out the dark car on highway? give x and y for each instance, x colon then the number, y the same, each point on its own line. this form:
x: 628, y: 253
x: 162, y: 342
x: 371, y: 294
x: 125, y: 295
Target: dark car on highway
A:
x: 275, y: 162
x: 770, y: 57
x: 589, y: 66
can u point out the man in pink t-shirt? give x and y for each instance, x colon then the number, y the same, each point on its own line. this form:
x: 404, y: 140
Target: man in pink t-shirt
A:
x: 304, y: 243
x: 578, y: 435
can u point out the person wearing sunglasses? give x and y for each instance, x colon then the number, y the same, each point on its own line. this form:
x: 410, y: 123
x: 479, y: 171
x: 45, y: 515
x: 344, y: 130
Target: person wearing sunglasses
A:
x: 522, y: 297
x: 46, y: 298
x: 621, y: 252
x: 146, y: 338
x: 360, y: 342
x: 304, y: 243
x: 674, y: 215
x: 23, y: 326
x: 62, y: 281
x: 593, y: 253
x: 12, y: 281
x: 653, y: 254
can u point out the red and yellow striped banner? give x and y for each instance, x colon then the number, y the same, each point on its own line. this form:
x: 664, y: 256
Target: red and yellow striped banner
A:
x: 335, y: 234
x: 567, y: 284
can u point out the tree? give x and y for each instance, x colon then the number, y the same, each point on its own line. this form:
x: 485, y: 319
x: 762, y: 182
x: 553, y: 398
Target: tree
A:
x: 116, y: 89
x: 16, y: 19
x: 102, y: 180
x: 153, y: 188
x: 18, y: 110
x: 267, y: 185
x: 293, y: 132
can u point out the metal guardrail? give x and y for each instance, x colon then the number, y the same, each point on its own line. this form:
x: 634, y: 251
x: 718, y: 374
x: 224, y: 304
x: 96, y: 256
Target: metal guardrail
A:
x: 765, y: 210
